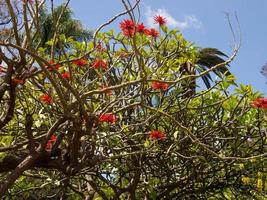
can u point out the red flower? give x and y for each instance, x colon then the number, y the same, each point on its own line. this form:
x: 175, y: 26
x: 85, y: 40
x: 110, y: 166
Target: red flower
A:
x: 156, y: 85
x: 53, y: 138
x: 140, y: 28
x: 152, y: 32
x: 66, y: 75
x: 54, y: 65
x: 49, y: 145
x: 80, y: 62
x: 107, y: 117
x: 46, y: 99
x: 160, y: 20
x: 259, y: 103
x: 50, y: 142
x: 99, y: 63
x: 17, y: 81
x: 127, y: 27
x: 157, y: 135
x: 127, y: 24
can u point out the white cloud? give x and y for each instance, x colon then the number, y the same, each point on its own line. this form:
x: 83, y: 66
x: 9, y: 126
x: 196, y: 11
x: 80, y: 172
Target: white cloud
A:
x: 189, y: 21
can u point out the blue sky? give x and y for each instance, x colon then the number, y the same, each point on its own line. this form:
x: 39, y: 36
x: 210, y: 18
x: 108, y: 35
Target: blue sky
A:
x: 202, y: 22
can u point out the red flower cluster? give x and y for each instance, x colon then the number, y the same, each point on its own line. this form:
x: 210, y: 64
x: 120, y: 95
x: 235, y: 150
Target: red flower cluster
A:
x: 259, y: 103
x: 99, y: 63
x: 152, y: 32
x: 140, y: 28
x: 157, y: 135
x: 46, y: 99
x: 156, y: 85
x: 17, y: 81
x: 107, y: 117
x: 127, y: 26
x: 80, y: 62
x: 160, y: 20
x: 128, y: 29
x: 66, y: 75
x: 50, y: 142
x: 54, y: 65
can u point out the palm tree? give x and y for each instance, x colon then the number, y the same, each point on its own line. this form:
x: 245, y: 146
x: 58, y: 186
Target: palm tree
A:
x: 207, y: 58
x: 69, y: 26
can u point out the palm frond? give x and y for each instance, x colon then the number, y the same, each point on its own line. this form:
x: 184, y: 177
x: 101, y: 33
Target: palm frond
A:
x: 208, y: 58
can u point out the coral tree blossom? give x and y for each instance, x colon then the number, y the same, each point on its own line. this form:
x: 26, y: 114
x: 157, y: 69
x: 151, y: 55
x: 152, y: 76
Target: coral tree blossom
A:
x: 46, y: 99
x: 140, y: 28
x: 156, y: 85
x: 157, y: 135
x: 160, y: 20
x: 80, y: 62
x: 66, y: 75
x: 17, y: 81
x: 127, y: 27
x: 50, y: 142
x: 259, y: 103
x: 152, y: 32
x: 107, y: 117
x: 56, y: 66
x: 99, y: 63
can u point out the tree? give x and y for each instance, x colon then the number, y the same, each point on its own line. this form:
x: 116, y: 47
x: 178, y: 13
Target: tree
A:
x: 67, y: 25
x: 108, y: 118
x: 206, y: 59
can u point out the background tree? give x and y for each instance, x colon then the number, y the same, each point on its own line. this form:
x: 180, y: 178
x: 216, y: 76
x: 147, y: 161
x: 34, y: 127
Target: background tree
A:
x: 206, y: 59
x: 68, y: 26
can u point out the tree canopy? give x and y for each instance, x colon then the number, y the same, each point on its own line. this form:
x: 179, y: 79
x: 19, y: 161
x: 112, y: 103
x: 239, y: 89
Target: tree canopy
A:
x: 111, y: 118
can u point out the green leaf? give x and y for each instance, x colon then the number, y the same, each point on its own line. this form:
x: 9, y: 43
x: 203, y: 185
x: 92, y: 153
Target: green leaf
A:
x: 164, y: 29
x: 175, y: 134
x: 49, y: 43
x: 147, y: 143
x: 38, y: 123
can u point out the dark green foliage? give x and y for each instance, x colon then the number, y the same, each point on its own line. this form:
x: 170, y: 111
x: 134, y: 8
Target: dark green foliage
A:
x: 69, y: 26
x: 208, y: 58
